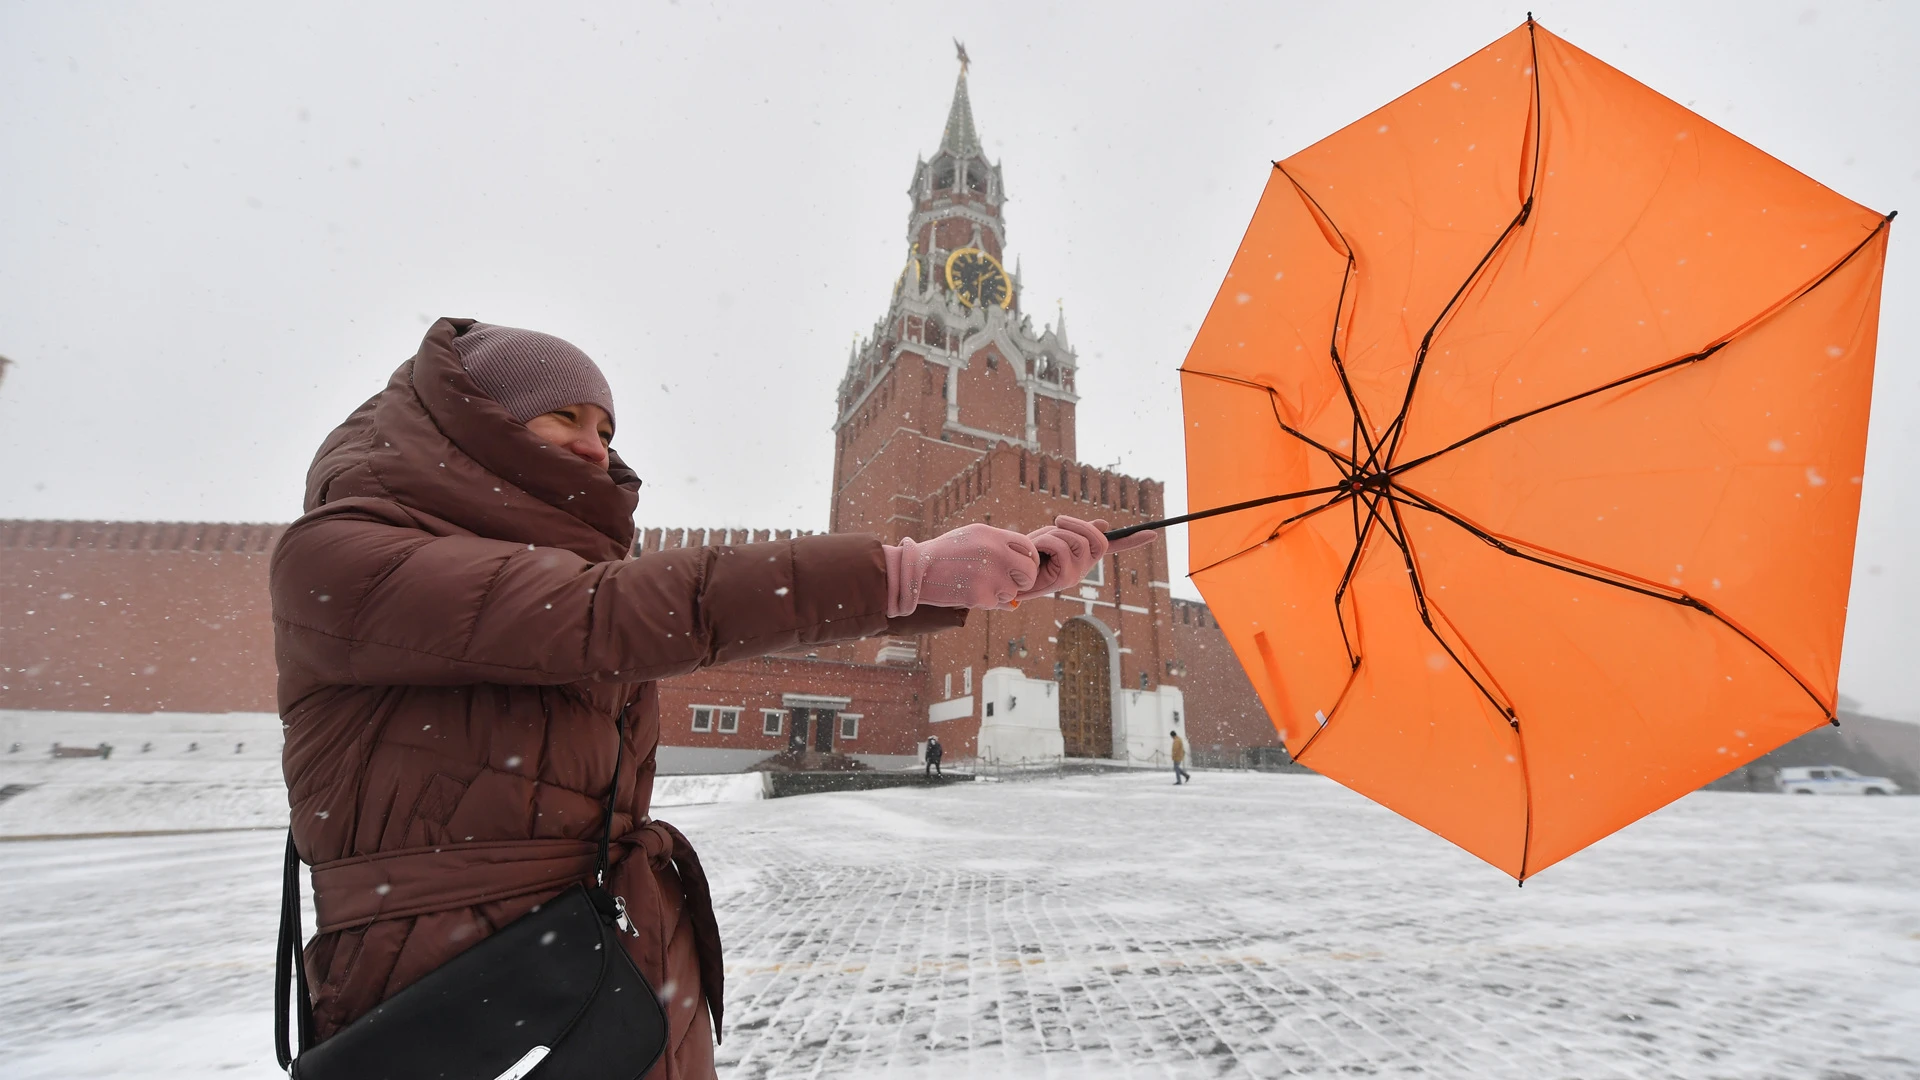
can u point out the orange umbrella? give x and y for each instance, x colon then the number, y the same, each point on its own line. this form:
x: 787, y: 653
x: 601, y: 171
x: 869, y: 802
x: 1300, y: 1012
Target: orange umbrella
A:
x: 1555, y: 397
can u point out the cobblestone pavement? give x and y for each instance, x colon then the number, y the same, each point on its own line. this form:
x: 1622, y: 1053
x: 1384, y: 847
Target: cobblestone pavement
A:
x: 1112, y: 926
x: 1276, y: 926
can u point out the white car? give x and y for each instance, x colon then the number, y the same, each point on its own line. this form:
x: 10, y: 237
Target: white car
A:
x: 1832, y: 780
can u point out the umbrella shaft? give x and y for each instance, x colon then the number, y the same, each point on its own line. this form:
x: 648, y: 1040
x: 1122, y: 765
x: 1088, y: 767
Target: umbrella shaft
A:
x: 1117, y: 534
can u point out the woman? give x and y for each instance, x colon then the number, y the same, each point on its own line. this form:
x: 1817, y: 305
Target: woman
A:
x: 460, y: 633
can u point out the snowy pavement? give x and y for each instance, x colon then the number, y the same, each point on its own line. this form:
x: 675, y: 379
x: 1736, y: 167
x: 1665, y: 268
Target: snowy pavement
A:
x: 1112, y: 925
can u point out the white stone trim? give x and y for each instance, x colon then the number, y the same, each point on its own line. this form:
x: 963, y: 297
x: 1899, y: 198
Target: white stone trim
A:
x: 941, y: 711
x: 992, y: 436
x: 814, y: 701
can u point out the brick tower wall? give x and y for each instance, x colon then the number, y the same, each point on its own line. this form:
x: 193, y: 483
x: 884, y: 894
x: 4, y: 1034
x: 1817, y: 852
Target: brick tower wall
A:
x: 1224, y: 715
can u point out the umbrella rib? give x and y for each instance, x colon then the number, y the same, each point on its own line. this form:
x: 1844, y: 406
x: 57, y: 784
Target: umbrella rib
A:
x: 1657, y: 369
x: 1344, y: 463
x: 1272, y: 536
x: 1391, y: 437
x: 1618, y: 579
x: 1353, y: 675
x: 1526, y: 787
x: 1340, y: 305
x: 1361, y: 533
x: 1420, y: 604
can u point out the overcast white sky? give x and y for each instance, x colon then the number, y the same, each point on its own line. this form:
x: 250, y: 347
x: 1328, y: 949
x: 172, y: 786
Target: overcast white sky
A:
x: 222, y: 226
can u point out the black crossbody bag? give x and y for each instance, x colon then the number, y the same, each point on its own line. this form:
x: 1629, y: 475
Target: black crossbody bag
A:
x: 552, y: 996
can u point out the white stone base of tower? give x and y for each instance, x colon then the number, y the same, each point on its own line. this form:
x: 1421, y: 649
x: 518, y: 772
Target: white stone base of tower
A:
x: 1141, y: 720
x: 1019, y: 718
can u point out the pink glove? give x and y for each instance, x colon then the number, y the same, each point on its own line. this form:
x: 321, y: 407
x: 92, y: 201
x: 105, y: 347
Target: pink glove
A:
x: 1070, y: 547
x: 974, y: 566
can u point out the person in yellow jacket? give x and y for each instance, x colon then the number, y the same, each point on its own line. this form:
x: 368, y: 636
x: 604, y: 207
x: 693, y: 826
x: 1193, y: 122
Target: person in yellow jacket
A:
x: 1179, y: 755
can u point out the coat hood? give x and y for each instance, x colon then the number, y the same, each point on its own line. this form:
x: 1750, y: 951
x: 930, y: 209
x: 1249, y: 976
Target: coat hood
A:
x: 436, y: 445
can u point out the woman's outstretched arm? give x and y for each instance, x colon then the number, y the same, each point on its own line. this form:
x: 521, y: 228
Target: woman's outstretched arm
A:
x: 366, y: 593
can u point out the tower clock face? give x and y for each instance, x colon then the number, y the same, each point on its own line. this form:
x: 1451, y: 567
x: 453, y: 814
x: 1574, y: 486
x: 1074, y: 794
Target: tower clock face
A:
x: 978, y: 279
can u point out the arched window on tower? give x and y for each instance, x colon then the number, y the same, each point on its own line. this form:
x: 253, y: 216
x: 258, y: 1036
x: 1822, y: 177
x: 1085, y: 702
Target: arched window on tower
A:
x: 943, y: 172
x: 936, y: 332
x: 977, y: 177
x: 1047, y: 369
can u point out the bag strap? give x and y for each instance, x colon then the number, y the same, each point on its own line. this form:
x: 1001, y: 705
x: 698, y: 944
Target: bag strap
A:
x: 290, y: 964
x: 613, y: 792
x: 290, y: 961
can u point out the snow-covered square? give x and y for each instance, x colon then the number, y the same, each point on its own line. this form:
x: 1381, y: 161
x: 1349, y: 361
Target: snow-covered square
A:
x: 1111, y: 925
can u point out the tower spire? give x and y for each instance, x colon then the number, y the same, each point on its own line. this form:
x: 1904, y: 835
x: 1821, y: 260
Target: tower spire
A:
x: 960, y: 137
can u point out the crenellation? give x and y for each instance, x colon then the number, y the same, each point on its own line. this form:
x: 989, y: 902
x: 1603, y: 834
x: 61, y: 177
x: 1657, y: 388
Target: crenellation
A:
x: 950, y: 410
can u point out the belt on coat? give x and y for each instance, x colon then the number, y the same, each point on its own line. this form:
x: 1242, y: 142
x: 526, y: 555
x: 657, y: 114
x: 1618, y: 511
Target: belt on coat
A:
x: 364, y: 889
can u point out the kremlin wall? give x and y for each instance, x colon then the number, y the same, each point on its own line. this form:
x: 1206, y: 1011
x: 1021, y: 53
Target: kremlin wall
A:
x: 955, y: 408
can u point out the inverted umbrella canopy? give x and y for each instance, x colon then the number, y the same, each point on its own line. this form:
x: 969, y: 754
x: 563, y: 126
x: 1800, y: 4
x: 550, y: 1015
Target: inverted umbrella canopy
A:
x: 1564, y: 392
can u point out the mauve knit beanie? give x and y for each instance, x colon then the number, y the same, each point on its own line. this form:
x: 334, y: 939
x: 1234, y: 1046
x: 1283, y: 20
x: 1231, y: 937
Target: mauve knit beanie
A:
x: 530, y: 373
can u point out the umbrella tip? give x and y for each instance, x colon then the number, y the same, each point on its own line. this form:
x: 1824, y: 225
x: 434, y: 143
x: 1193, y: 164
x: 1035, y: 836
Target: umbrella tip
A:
x: 1520, y: 883
x: 1834, y: 720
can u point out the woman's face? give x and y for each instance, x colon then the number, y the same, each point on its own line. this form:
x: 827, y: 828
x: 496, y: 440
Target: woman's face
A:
x: 582, y: 430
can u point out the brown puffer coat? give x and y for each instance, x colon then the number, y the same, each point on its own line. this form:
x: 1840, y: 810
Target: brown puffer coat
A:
x: 458, y: 626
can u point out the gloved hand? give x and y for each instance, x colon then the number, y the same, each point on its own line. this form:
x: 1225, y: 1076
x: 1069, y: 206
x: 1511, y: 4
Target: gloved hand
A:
x: 974, y: 566
x: 1070, y: 547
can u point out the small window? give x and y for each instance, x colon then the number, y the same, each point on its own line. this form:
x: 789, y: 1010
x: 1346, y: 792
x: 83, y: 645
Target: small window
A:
x: 729, y: 721
x: 966, y: 682
x: 946, y: 688
x: 989, y: 708
x: 1097, y: 575
x: 849, y: 726
x: 993, y: 362
x: 1143, y: 680
x: 703, y: 719
x: 772, y: 721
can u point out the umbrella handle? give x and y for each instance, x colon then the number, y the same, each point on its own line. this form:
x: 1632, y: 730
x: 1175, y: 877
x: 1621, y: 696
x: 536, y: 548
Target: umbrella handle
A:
x: 1121, y: 534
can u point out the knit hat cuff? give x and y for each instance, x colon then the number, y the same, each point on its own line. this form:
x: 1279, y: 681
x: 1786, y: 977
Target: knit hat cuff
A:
x: 531, y: 373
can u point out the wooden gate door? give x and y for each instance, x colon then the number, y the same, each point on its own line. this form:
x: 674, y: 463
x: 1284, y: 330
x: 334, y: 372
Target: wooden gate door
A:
x: 1086, y: 691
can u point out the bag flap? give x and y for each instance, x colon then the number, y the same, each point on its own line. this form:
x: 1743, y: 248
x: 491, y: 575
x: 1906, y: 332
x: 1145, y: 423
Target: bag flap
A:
x: 482, y: 1011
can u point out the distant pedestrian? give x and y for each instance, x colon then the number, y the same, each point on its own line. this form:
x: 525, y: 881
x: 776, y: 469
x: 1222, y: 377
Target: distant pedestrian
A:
x: 934, y: 754
x: 1179, y: 755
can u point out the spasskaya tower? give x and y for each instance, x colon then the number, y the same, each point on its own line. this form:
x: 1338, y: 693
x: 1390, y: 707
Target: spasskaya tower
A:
x: 955, y: 367
x: 956, y: 409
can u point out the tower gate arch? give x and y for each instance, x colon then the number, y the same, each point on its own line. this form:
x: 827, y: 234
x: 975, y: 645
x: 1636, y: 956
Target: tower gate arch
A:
x: 1088, y: 656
